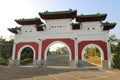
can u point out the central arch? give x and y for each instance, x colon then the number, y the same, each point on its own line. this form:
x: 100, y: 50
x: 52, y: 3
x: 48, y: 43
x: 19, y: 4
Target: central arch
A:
x: 45, y: 57
x: 55, y: 58
x: 69, y: 44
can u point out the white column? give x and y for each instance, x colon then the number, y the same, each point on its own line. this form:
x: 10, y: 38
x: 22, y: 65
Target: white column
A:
x: 13, y: 51
x: 76, y: 50
x: 40, y: 49
x: 109, y: 54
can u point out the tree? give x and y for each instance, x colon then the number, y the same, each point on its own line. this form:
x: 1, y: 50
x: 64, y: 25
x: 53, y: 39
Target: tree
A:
x: 62, y: 51
x: 98, y: 53
x: 27, y: 53
x: 48, y: 52
x: 113, y: 42
x: 6, y: 48
x: 116, y: 59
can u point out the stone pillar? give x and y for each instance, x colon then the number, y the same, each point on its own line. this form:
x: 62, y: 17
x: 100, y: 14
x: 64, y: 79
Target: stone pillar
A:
x: 76, y: 52
x: 37, y: 63
x: 40, y: 49
x: 109, y: 55
x: 43, y: 64
x: 105, y: 64
x: 72, y: 63
x: 80, y: 64
x: 14, y: 63
x: 13, y: 51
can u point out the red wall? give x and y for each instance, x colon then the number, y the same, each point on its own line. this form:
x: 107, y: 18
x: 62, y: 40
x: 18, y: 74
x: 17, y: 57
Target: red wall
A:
x: 21, y: 44
x: 68, y: 41
x: 101, y: 44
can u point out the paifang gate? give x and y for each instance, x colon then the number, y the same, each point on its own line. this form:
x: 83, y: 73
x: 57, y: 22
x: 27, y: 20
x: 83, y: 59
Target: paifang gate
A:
x: 58, y: 26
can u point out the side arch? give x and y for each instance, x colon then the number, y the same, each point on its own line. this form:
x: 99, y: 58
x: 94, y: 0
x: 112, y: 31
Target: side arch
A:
x: 67, y: 41
x: 20, y: 46
x: 23, y: 47
x: 101, y: 44
x: 101, y: 51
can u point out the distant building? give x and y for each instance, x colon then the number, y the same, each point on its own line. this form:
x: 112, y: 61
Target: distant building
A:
x: 59, y: 27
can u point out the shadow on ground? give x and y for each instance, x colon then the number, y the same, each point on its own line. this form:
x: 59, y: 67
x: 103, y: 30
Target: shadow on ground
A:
x: 7, y: 73
x: 34, y: 73
x: 17, y: 73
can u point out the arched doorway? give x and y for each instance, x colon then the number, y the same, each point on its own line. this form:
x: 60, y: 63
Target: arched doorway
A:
x: 69, y: 43
x: 26, y: 55
x: 92, y: 56
x: 58, y: 53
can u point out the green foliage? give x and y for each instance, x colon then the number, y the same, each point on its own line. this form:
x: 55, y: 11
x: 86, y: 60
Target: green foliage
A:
x: 48, y: 52
x: 98, y: 53
x: 26, y: 56
x: 6, y: 48
x: 3, y: 61
x: 116, y: 59
x: 92, y: 51
x: 59, y: 51
x: 113, y: 43
x: 115, y: 48
x: 26, y: 53
x: 25, y: 61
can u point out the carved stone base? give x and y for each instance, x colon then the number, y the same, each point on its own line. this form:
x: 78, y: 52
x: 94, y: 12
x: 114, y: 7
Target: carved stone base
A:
x: 14, y: 63
x: 43, y: 64
x: 72, y: 63
x: 80, y: 64
x: 105, y: 64
x: 37, y: 63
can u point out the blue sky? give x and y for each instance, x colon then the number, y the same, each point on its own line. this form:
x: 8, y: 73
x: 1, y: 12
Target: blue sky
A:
x: 16, y: 9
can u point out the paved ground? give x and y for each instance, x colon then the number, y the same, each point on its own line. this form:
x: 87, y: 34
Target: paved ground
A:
x: 32, y: 73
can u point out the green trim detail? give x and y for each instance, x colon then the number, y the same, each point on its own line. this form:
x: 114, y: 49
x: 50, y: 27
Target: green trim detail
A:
x: 29, y: 19
x: 92, y: 15
x: 108, y: 24
x: 58, y: 12
x: 16, y: 28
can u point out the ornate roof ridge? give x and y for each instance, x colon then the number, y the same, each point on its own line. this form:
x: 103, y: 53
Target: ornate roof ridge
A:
x: 92, y: 15
x: 57, y: 12
x: 28, y: 21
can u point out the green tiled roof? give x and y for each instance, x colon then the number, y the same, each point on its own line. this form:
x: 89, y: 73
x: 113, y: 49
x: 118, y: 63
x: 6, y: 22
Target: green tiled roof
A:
x: 29, y: 19
x: 14, y: 30
x: 59, y: 12
x: 108, y: 26
x: 92, y: 15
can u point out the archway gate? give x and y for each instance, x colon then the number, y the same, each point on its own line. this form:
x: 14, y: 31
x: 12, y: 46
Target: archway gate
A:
x: 59, y: 26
